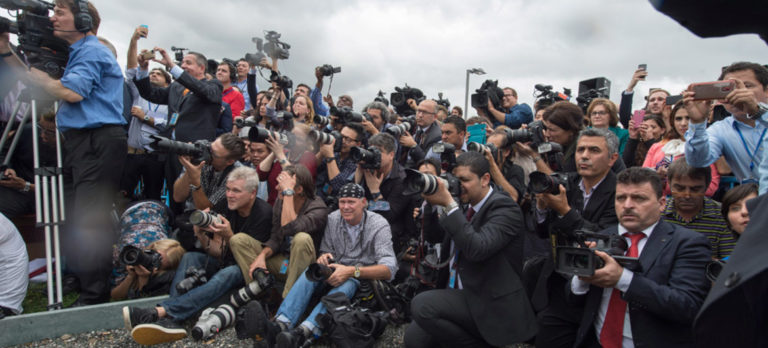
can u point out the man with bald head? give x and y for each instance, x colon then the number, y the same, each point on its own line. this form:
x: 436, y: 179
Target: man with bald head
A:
x: 426, y: 134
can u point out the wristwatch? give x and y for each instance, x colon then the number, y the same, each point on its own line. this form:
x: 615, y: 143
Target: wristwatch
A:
x: 147, y: 118
x: 193, y: 188
x: 357, y: 271
x: 329, y: 159
x: 288, y: 192
x: 448, y: 208
x: 283, y: 162
x: 27, y: 186
x: 761, y: 109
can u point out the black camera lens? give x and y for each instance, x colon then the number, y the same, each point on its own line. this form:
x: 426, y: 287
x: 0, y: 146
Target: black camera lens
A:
x: 318, y: 273
x: 370, y: 158
x: 543, y: 183
x: 399, y: 129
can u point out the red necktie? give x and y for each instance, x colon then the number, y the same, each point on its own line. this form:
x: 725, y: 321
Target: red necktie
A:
x: 612, y: 333
x: 470, y: 213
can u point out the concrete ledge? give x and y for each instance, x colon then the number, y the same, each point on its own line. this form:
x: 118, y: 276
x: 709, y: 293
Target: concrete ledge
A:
x: 52, y: 324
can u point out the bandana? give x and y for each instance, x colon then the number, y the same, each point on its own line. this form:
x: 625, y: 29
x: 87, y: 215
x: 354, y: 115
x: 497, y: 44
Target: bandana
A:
x: 351, y: 190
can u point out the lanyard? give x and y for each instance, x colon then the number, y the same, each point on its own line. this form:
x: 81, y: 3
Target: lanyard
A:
x: 149, y: 104
x: 749, y: 153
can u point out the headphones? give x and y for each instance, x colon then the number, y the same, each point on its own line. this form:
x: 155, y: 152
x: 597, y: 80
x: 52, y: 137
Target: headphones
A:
x: 83, y: 19
x: 232, y: 71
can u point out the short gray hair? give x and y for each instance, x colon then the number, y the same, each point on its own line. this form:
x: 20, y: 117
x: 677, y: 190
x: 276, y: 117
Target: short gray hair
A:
x: 248, y: 174
x: 610, y: 139
x: 381, y: 107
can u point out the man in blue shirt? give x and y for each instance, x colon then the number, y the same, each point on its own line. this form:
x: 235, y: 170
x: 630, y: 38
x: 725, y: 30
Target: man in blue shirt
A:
x: 94, y: 142
x: 739, y: 137
x: 513, y: 115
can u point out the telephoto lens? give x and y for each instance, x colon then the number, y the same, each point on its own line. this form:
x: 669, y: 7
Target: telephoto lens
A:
x: 319, y: 137
x: 260, y: 135
x: 318, y: 273
x: 323, y: 121
x: 212, y: 321
x: 370, y: 158
x: 417, y: 182
x: 473, y: 146
x: 398, y: 130
x: 261, y: 281
x: 200, y: 218
x: 543, y: 183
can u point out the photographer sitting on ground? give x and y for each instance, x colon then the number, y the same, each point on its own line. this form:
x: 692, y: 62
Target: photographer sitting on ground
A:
x: 298, y: 219
x: 297, y: 153
x: 384, y: 189
x: 242, y: 213
x: 14, y: 269
x: 141, y: 282
x: 356, y: 245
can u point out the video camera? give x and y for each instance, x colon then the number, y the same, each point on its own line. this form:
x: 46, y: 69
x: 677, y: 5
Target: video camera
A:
x: 400, y: 98
x: 444, y: 102
x: 178, y: 54
x: 255, y: 58
x: 199, y: 151
x: 488, y: 90
x: 37, y: 43
x: 329, y: 70
x: 133, y: 256
x: 546, y: 96
x: 370, y: 158
x: 381, y: 98
x: 582, y: 261
x: 274, y: 47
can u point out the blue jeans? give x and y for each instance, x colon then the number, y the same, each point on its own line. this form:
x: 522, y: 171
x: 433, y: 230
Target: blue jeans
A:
x: 298, y: 298
x: 181, y: 307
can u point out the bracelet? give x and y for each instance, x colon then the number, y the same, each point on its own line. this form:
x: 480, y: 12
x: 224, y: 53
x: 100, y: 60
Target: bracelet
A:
x: 375, y: 196
x: 536, y: 159
x: 8, y: 54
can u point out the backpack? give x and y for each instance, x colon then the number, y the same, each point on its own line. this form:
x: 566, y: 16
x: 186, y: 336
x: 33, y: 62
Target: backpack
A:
x: 350, y: 326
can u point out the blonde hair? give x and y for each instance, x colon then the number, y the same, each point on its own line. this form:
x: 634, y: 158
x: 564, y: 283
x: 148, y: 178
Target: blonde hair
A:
x: 173, y: 251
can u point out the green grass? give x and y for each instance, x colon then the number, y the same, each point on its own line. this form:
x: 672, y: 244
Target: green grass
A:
x: 37, y: 298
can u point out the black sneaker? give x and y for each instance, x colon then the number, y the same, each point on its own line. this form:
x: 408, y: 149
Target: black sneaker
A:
x: 291, y: 338
x: 133, y: 316
x: 162, y: 331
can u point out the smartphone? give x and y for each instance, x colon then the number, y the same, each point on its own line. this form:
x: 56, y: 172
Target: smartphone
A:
x: 146, y: 31
x: 712, y: 90
x: 673, y: 99
x: 642, y: 67
x: 637, y: 117
x: 148, y: 54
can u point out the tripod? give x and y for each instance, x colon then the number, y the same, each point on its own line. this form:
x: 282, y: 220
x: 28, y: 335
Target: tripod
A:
x: 49, y: 185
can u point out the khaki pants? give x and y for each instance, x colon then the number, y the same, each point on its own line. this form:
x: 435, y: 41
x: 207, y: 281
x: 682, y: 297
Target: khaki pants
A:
x: 245, y: 249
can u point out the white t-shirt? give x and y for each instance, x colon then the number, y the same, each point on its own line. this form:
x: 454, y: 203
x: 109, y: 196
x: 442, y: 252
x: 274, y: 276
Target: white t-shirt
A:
x: 14, y: 266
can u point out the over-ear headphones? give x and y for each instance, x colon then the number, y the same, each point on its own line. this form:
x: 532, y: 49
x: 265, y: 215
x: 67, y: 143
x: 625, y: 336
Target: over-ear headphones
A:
x: 83, y: 19
x: 232, y: 72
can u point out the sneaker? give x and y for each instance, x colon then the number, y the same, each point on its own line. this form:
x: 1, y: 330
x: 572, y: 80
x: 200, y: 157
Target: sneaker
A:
x: 162, y: 331
x: 292, y: 338
x: 133, y: 316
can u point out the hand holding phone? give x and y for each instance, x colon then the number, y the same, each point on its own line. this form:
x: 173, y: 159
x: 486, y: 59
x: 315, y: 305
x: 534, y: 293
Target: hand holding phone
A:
x: 637, y: 118
x: 712, y: 90
x: 148, y: 54
x: 144, y: 30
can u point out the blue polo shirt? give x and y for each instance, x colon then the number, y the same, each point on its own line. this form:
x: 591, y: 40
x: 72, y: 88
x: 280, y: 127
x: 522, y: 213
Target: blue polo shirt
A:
x: 93, y: 73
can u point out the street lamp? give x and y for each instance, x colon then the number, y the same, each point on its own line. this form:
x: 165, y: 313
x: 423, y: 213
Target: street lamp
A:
x: 476, y: 71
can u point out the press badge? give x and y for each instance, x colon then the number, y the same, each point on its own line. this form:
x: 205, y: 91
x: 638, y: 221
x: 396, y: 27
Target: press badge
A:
x: 452, y: 279
x: 174, y: 118
x: 284, y: 267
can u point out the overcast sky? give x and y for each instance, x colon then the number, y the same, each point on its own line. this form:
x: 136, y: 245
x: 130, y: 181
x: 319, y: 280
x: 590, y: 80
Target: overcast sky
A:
x: 429, y: 45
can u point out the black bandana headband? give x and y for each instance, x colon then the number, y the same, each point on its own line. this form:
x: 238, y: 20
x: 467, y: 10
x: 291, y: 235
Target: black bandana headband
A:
x: 351, y: 190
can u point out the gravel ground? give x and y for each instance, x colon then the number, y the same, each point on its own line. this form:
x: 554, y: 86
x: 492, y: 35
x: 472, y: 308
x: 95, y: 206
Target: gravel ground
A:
x: 392, y: 337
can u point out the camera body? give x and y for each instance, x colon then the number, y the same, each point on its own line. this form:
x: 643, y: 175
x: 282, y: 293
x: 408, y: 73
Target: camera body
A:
x: 199, y: 151
x: 193, y: 277
x: 370, y: 158
x: 319, y: 273
x: 37, y: 43
x: 582, y: 261
x: 260, y: 135
x: 346, y: 115
x: 543, y: 183
x: 282, y: 81
x: 399, y: 99
x: 447, y: 152
x: 133, y: 256
x: 255, y: 58
x: 329, y: 70
x: 488, y: 90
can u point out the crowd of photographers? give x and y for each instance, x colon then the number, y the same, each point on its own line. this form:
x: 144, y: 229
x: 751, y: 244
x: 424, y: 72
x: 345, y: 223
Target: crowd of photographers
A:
x: 571, y: 224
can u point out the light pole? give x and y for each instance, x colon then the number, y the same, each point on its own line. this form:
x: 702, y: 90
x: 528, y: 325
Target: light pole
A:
x: 476, y: 71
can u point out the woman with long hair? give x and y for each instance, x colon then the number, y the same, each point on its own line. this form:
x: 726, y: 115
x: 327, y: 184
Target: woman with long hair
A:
x: 602, y: 113
x: 642, y: 138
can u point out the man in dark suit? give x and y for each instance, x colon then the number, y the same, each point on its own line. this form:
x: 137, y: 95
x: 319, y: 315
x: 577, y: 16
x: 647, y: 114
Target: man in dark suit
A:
x: 484, y: 303
x: 193, y: 104
x: 653, y: 305
x: 735, y: 313
x: 426, y: 134
x: 587, y: 204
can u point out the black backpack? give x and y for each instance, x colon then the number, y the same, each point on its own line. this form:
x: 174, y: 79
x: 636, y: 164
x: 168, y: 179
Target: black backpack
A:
x: 349, y: 326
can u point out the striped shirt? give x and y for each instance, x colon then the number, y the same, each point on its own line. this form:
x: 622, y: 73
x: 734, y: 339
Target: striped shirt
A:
x: 709, y: 222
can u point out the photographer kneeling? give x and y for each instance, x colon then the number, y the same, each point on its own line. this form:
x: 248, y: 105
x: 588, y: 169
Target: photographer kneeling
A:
x: 484, y: 302
x: 190, y: 292
x: 356, y: 245
x: 298, y: 219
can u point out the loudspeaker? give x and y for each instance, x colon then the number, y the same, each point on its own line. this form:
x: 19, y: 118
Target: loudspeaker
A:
x: 600, y: 84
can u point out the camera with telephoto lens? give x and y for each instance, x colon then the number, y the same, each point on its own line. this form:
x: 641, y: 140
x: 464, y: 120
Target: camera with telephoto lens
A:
x: 201, y: 218
x: 400, y: 98
x: 400, y: 129
x: 346, y: 115
x: 421, y: 183
x: 489, y: 90
x: 212, y: 321
x: 543, y: 183
x: 322, y: 121
x: 274, y: 47
x: 329, y: 70
x: 318, y: 273
x: 255, y: 58
x: 582, y: 261
x: 133, y: 256
x: 545, y: 96
x: 370, y: 158
x: 37, y: 43
x: 199, y: 151
x: 473, y: 146
x: 324, y: 138
x: 260, y: 135
x: 249, y: 121
x: 261, y: 281
x: 381, y: 98
x: 193, y: 277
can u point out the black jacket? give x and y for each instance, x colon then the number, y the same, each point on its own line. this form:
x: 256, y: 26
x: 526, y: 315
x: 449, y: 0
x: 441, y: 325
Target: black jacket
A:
x: 199, y: 109
x: 433, y: 135
x: 665, y: 295
x: 400, y: 211
x: 490, y: 261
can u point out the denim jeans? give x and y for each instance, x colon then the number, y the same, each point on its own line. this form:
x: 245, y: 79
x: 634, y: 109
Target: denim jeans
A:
x: 298, y: 298
x: 181, y: 307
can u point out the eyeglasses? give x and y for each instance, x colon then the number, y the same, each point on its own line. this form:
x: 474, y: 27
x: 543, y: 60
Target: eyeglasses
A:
x: 347, y: 139
x: 419, y: 111
x: 599, y: 113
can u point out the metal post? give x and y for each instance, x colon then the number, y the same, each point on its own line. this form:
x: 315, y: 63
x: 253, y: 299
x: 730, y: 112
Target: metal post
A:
x: 466, y: 97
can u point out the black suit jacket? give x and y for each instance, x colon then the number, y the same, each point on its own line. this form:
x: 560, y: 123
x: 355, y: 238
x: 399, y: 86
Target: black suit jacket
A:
x: 665, y: 294
x: 199, y: 109
x: 490, y: 261
x: 735, y: 313
x: 433, y: 135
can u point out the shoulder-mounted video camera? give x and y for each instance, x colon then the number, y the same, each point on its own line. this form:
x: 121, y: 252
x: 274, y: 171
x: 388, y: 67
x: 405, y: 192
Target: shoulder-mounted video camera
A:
x: 37, y: 43
x: 489, y: 90
x: 545, y: 96
x: 400, y: 98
